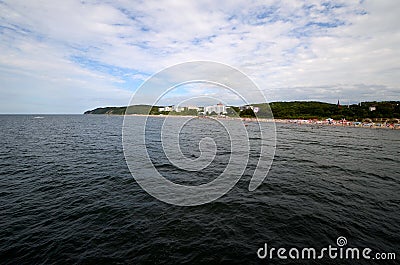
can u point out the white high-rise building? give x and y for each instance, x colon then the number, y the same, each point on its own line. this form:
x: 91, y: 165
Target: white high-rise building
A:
x: 219, y: 109
x: 178, y: 109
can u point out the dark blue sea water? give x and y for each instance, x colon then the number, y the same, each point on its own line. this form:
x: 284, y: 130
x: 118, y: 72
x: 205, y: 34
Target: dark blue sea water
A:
x: 67, y: 196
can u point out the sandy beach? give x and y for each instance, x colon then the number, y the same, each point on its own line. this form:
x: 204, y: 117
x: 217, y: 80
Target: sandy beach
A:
x: 339, y: 123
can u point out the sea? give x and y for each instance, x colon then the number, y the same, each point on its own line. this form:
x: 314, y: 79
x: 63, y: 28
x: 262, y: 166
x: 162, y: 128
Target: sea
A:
x: 67, y: 195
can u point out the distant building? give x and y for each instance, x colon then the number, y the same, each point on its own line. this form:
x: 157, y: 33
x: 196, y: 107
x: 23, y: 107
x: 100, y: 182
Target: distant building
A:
x: 219, y: 109
x: 165, y: 109
x: 245, y: 107
x: 372, y: 108
x: 193, y: 108
x: 178, y: 109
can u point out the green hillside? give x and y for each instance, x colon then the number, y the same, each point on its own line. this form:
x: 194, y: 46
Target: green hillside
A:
x: 320, y: 110
x: 136, y: 109
x: 285, y: 110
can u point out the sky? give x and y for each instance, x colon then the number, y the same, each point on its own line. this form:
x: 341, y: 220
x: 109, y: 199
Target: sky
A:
x: 71, y: 56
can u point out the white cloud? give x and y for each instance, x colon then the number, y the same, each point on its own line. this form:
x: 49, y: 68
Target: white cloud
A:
x: 292, y: 49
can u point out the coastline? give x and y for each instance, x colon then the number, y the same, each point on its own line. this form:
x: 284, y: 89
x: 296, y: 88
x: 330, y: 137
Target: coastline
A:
x: 366, y: 125
x: 369, y: 125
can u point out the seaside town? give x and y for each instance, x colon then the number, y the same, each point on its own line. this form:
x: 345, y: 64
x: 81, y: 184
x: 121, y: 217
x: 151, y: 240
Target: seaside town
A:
x: 222, y: 111
x: 217, y: 110
x: 363, y: 114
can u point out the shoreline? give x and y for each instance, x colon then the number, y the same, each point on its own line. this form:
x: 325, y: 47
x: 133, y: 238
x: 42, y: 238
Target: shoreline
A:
x: 345, y: 124
x: 370, y: 125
